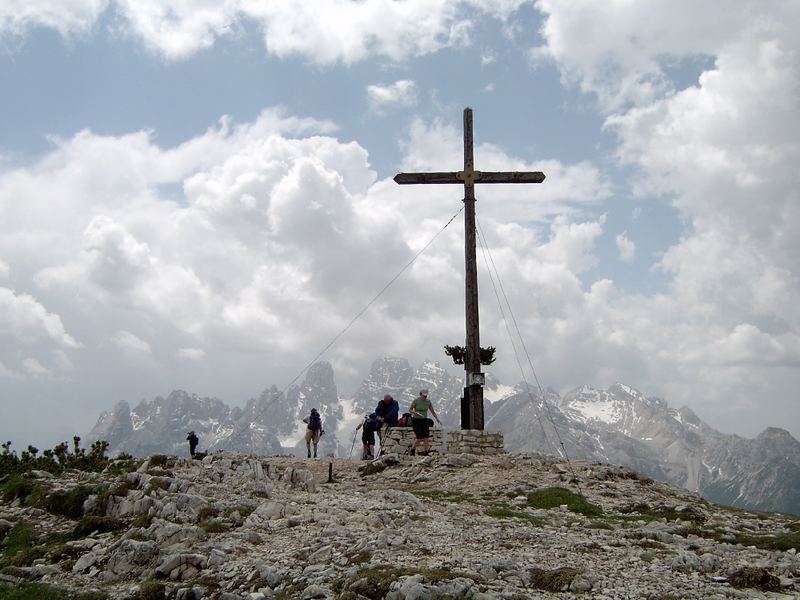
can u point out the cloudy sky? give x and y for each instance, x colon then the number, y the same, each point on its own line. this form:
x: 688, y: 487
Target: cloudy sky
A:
x: 200, y: 197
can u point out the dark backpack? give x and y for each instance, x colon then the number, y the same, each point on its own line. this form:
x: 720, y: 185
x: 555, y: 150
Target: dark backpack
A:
x: 314, y: 422
x: 373, y: 422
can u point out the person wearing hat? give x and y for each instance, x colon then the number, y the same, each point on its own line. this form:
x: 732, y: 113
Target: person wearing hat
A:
x: 193, y: 441
x: 419, y: 422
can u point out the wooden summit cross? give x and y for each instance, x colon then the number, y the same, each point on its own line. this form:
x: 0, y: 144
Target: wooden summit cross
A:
x: 469, y: 177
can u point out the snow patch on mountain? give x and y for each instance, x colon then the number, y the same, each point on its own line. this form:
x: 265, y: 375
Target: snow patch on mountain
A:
x: 295, y: 437
x: 498, y: 392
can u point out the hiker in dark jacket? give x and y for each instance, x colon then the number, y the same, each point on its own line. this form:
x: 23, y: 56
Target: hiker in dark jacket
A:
x: 313, y: 431
x: 387, y: 411
x: 193, y: 441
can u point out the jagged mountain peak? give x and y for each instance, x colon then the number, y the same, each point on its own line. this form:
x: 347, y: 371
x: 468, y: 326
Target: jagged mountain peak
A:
x: 686, y: 416
x: 623, y: 390
x: 777, y: 434
x: 619, y: 425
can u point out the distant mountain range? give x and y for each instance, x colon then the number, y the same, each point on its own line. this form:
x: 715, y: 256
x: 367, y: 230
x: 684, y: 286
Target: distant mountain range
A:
x: 619, y: 425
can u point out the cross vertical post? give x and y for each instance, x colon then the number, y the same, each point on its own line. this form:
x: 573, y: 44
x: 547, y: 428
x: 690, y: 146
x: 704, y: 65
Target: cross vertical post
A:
x: 468, y: 177
x: 472, y: 361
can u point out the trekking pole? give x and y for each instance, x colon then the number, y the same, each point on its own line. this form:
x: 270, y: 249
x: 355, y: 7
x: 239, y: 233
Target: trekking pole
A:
x: 381, y: 434
x: 353, y: 445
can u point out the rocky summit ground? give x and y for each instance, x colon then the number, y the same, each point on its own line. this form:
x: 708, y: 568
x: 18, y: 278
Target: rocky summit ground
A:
x: 401, y: 528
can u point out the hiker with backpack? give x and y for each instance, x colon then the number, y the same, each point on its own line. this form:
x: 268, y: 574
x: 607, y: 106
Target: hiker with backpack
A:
x: 421, y: 423
x: 314, y: 431
x: 370, y: 425
x: 191, y: 437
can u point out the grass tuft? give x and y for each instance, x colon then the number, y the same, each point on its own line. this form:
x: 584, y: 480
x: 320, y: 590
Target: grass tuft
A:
x: 152, y: 590
x: 68, y: 503
x: 37, y: 591
x: 102, y: 524
x: 755, y: 577
x: 157, y: 460
x: 444, y: 496
x: 18, y: 546
x: 782, y: 542
x: 557, y: 496
x: 555, y: 580
x: 374, y: 581
x: 504, y: 511
x: 20, y: 488
x: 645, y: 512
x: 372, y: 468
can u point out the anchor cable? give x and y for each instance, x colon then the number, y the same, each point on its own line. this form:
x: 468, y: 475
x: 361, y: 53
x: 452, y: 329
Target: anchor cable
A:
x: 484, y: 247
x: 352, y: 321
x: 530, y: 362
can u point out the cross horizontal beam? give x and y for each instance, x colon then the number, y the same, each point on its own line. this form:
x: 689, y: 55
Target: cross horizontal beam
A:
x: 478, y: 177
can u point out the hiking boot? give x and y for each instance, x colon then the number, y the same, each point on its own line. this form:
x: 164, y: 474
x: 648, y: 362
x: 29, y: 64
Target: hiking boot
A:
x: 309, y: 454
x: 315, y: 455
x: 412, y: 452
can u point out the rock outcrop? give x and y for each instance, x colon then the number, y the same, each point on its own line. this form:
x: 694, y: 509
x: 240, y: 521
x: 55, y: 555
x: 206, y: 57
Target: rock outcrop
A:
x: 238, y: 527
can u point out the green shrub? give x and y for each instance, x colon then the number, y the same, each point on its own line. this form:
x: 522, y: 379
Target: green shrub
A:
x: 214, y: 526
x: 372, y: 468
x: 557, y: 496
x: 206, y: 512
x: 142, y: 521
x: 159, y: 482
x: 375, y: 581
x: 444, y: 496
x: 124, y: 463
x: 19, y: 487
x: 782, y: 542
x: 37, y: 591
x: 92, y: 523
x: 17, y: 545
x: 503, y: 511
x: 755, y: 577
x: 56, y: 460
x: 244, y: 511
x: 552, y: 581
x: 648, y: 513
x: 152, y: 590
x: 158, y: 460
x: 68, y: 503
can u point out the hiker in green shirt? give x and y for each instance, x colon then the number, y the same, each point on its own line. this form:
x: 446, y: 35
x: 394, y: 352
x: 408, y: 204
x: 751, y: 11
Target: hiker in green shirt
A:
x: 419, y: 422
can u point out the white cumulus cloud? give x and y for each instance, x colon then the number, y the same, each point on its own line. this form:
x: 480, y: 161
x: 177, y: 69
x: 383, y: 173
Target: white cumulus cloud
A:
x: 399, y: 93
x: 323, y: 31
x: 191, y: 353
x: 131, y: 344
x: 25, y: 319
x: 626, y: 247
x: 723, y: 152
x: 68, y: 17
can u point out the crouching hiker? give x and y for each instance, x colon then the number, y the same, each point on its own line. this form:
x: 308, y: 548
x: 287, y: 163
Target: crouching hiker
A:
x: 193, y: 441
x: 387, y: 411
x: 419, y: 421
x: 313, y: 431
x: 370, y: 424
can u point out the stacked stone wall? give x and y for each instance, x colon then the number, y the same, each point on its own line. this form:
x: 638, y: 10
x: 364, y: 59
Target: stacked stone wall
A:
x: 398, y: 440
x: 475, y: 441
